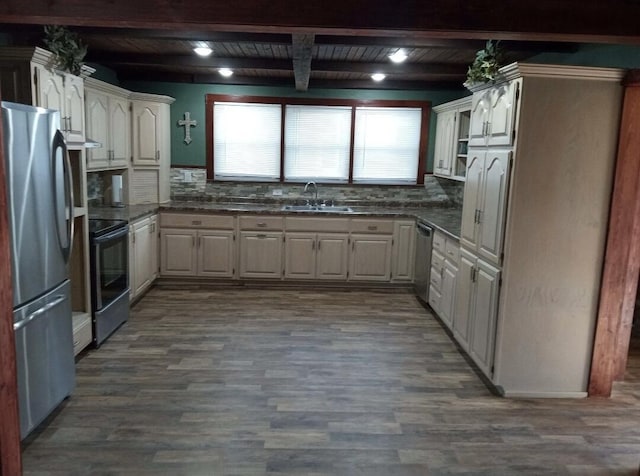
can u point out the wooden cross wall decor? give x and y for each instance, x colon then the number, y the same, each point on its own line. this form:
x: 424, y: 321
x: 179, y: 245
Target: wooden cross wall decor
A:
x: 188, y: 124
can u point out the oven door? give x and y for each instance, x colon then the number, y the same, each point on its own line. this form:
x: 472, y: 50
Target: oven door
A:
x: 109, y: 266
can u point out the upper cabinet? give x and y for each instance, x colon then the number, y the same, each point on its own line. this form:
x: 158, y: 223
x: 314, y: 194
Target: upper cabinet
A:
x: 29, y: 76
x: 493, y: 113
x: 108, y: 122
x: 452, y: 139
x: 147, y: 133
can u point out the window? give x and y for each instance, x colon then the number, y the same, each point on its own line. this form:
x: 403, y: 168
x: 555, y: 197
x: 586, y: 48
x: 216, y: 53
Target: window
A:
x: 386, y: 145
x: 326, y: 140
x: 246, y: 141
x: 317, y: 143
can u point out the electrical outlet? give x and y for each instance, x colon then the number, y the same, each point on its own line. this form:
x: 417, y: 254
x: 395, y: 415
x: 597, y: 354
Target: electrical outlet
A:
x: 187, y: 176
x: 277, y: 192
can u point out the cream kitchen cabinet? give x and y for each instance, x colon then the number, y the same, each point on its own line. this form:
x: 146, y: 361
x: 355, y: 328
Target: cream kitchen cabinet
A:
x: 404, y: 247
x: 485, y: 202
x: 316, y: 248
x: 443, y: 277
x: 143, y: 254
x: 29, y: 76
x: 197, y: 245
x: 147, y: 133
x: 261, y: 250
x: 493, y: 115
x: 452, y: 137
x: 108, y: 122
x: 474, y: 325
x: 371, y: 247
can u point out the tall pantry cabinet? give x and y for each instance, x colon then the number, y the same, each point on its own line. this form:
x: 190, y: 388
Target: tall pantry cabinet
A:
x: 542, y: 147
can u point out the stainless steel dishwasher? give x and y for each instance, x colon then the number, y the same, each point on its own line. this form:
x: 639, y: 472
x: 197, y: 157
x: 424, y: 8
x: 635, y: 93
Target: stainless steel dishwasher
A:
x: 424, y: 237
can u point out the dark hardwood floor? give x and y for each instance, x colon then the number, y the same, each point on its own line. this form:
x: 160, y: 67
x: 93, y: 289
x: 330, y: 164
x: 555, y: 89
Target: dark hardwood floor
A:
x: 241, y: 381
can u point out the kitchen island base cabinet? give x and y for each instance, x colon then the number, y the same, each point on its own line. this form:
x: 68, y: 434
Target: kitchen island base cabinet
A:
x: 261, y: 254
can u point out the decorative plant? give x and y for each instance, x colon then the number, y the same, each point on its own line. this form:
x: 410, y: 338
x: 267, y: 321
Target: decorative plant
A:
x: 484, y: 68
x: 66, y: 46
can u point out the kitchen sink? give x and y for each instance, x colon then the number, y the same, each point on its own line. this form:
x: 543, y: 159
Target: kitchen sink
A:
x: 316, y: 208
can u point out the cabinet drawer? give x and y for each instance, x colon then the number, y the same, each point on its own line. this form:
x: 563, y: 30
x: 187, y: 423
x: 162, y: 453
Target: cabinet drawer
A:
x: 261, y: 223
x: 435, y: 299
x: 319, y: 225
x: 439, y: 242
x: 363, y: 225
x: 437, y: 260
x: 81, y: 335
x: 452, y: 251
x: 175, y: 220
x: 435, y: 278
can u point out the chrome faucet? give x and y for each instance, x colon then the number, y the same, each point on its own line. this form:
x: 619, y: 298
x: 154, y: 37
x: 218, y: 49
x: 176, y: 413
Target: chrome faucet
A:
x: 315, y: 187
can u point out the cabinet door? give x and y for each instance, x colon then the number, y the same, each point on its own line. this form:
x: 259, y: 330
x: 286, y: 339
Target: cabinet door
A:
x: 447, y: 302
x: 120, y: 131
x: 153, y: 247
x: 216, y: 253
x: 495, y: 185
x: 300, y: 256
x: 146, y: 133
x: 142, y: 255
x: 332, y: 258
x: 370, y: 257
x: 404, y: 248
x: 480, y: 107
x: 502, y: 114
x: 445, y: 137
x: 178, y: 252
x: 97, y: 109
x: 50, y: 91
x: 483, y: 324
x: 464, y: 298
x: 472, y: 198
x: 260, y: 254
x: 132, y: 265
x: 74, y: 107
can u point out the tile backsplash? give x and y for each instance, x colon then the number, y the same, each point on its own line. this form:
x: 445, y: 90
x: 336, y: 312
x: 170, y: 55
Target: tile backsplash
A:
x: 191, y: 184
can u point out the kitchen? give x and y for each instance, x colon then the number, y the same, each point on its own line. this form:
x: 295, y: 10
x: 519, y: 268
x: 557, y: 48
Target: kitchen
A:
x: 177, y: 115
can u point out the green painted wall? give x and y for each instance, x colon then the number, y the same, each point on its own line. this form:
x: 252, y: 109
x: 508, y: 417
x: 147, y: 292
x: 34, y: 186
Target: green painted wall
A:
x: 191, y: 98
x: 605, y: 56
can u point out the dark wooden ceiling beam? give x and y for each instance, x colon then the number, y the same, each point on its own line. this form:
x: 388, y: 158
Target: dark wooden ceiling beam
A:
x: 193, y: 61
x: 568, y: 20
x: 302, y: 50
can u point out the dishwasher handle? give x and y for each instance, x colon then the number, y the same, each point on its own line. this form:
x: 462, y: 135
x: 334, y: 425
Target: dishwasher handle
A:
x: 424, y: 229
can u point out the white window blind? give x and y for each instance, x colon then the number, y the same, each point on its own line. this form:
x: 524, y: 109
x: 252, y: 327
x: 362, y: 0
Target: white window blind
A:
x: 246, y: 141
x: 386, y: 145
x: 317, y: 140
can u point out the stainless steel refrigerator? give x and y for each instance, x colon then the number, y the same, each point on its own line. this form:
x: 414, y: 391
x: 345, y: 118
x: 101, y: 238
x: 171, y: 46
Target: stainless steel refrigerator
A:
x: 40, y: 198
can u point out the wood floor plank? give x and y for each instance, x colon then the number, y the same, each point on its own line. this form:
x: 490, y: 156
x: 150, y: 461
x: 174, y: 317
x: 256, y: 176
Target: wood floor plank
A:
x: 242, y: 381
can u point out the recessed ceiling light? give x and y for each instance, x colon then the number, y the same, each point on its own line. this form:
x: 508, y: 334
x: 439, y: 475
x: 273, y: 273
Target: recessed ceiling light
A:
x: 226, y: 72
x: 203, y: 51
x: 398, y: 57
x: 378, y: 76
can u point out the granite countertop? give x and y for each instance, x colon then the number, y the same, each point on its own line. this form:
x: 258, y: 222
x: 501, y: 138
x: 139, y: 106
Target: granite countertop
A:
x: 447, y: 220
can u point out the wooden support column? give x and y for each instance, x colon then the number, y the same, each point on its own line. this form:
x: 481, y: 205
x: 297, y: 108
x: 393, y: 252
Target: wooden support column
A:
x: 10, y: 458
x: 622, y: 255
x: 302, y: 52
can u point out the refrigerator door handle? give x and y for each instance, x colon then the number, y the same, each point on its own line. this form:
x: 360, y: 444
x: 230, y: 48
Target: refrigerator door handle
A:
x: 59, y: 143
x: 60, y: 298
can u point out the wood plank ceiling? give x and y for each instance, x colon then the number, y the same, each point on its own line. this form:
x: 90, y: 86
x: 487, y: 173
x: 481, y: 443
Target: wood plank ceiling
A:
x: 303, y: 60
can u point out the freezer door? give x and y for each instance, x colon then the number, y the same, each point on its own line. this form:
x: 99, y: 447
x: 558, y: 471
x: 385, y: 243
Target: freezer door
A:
x: 38, y: 193
x: 44, y: 356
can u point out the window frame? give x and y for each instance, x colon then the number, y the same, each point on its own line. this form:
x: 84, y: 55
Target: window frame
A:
x: 425, y: 107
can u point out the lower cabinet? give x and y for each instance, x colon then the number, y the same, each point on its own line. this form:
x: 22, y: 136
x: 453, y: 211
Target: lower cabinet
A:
x: 404, y: 248
x: 316, y: 255
x: 261, y: 254
x: 370, y: 257
x: 143, y: 254
x: 476, y: 309
x: 197, y: 245
x: 443, y: 278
